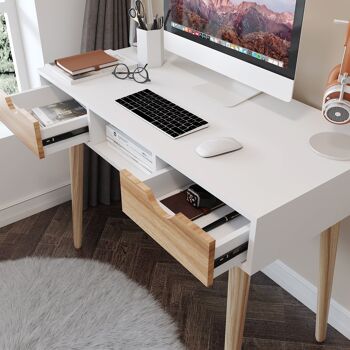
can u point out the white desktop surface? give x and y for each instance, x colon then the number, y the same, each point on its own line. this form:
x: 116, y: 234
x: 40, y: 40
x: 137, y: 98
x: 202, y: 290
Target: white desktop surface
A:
x: 276, y: 180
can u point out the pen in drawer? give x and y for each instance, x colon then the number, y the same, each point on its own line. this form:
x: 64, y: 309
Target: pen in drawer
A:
x: 221, y: 221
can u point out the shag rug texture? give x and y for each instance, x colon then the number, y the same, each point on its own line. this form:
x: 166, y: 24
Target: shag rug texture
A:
x: 75, y: 304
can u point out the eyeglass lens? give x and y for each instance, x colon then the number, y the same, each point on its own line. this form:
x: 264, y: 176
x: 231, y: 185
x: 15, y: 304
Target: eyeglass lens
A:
x: 121, y: 71
x: 141, y: 75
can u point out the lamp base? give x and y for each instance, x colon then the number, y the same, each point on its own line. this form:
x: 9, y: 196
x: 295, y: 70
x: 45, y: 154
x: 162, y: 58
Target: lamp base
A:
x: 331, y: 145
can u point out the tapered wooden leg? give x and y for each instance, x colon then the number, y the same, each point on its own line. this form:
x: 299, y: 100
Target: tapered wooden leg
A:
x: 328, y: 252
x: 237, y: 300
x: 76, y: 172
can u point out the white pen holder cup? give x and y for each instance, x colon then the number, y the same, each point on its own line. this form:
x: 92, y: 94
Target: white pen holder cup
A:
x: 150, y: 47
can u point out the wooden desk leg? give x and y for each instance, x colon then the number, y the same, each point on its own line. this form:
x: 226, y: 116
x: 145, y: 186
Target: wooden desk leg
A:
x: 76, y: 172
x: 328, y: 253
x: 237, y: 300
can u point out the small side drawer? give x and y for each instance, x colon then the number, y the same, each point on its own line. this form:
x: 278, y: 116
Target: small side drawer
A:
x: 15, y: 113
x: 205, y: 255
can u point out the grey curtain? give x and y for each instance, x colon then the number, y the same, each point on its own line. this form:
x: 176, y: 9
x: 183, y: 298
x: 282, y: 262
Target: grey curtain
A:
x: 106, y: 26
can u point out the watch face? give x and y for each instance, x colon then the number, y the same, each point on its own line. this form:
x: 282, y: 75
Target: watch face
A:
x: 192, y: 197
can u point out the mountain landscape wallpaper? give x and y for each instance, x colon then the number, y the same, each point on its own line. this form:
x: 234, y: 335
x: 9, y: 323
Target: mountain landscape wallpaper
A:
x: 262, y: 26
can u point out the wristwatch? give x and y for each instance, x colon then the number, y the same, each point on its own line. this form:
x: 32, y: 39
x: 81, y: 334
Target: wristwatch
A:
x: 200, y: 198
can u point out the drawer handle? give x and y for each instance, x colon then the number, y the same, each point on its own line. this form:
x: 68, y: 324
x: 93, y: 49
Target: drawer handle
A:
x: 10, y: 107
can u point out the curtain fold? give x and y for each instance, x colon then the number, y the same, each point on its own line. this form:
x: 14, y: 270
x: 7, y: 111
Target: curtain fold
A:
x: 106, y: 26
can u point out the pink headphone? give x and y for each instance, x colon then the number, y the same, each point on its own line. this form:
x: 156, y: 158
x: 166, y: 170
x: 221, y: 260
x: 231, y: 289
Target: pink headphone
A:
x: 336, y: 103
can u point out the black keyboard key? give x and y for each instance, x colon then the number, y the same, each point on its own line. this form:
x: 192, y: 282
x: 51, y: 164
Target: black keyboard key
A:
x: 187, y: 128
x: 177, y: 130
x: 143, y: 115
x: 122, y: 102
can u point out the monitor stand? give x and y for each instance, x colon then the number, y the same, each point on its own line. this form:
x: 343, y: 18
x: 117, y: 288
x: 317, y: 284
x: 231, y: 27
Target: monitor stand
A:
x: 213, y: 85
x: 228, y: 93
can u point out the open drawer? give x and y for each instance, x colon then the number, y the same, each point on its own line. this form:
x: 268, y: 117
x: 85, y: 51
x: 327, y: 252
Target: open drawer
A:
x: 15, y: 113
x: 205, y: 255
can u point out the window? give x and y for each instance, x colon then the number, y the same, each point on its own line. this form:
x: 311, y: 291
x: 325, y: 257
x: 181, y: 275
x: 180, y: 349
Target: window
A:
x: 8, y: 82
x: 13, y: 71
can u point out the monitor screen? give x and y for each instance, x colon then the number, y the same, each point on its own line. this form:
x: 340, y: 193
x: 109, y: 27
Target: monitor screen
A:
x: 265, y: 33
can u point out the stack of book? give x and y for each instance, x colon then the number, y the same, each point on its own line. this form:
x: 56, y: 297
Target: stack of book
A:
x: 85, y: 66
x: 142, y: 156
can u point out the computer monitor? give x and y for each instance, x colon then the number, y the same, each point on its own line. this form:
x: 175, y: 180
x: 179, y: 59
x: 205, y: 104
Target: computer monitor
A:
x: 254, y: 42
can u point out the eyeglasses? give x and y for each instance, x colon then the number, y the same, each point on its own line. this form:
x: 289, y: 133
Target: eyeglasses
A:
x: 140, y: 74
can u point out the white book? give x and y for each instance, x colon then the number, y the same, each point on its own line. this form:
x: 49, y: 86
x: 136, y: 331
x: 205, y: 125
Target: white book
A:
x: 56, y: 112
x: 141, y: 165
x: 138, y: 151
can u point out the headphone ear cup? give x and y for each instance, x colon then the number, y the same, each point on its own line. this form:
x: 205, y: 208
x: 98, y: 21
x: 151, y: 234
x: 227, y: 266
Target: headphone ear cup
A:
x: 336, y: 103
x: 337, y: 112
x: 334, y: 110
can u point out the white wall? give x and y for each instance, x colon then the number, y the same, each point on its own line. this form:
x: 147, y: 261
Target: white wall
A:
x: 24, y: 180
x: 321, y: 47
x: 50, y: 29
x: 60, y: 25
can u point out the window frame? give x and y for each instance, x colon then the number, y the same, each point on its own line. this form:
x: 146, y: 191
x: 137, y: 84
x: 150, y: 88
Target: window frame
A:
x: 9, y: 9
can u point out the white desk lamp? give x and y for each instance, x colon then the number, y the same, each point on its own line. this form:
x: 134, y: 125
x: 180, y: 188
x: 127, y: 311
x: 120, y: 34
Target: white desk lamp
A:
x: 336, y: 109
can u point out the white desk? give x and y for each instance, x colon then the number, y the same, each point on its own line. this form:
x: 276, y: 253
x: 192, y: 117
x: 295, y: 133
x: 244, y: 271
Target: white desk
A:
x: 287, y: 192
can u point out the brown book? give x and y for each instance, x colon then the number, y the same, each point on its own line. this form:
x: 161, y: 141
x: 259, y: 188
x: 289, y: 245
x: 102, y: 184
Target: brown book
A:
x: 86, y: 62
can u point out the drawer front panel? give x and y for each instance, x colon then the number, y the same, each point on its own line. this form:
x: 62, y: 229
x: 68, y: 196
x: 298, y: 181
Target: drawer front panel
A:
x: 178, y: 235
x: 22, y: 124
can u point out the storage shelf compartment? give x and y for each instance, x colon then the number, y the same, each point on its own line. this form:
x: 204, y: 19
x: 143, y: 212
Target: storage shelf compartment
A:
x: 16, y: 115
x: 116, y: 156
x: 195, y: 249
x: 120, y: 161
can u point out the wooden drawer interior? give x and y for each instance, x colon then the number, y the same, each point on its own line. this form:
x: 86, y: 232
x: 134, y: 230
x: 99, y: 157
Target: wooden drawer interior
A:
x: 15, y: 113
x: 205, y: 255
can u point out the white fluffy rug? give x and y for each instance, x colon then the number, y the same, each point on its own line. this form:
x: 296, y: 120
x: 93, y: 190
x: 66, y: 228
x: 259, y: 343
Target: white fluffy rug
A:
x: 63, y: 304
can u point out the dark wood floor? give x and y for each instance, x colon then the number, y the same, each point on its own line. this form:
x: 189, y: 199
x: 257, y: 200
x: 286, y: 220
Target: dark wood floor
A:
x: 275, y: 319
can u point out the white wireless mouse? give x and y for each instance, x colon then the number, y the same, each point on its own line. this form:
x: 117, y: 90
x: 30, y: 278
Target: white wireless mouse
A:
x: 217, y: 146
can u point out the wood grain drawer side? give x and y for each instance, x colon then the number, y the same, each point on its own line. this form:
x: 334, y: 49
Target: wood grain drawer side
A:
x: 178, y: 235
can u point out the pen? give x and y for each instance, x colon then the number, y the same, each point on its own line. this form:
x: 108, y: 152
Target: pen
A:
x: 155, y: 23
x: 166, y: 18
x: 221, y: 221
x: 154, y: 26
x: 141, y: 23
x: 160, y: 22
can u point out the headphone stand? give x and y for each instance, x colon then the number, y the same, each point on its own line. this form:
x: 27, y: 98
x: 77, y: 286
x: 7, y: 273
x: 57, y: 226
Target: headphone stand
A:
x: 332, y: 145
